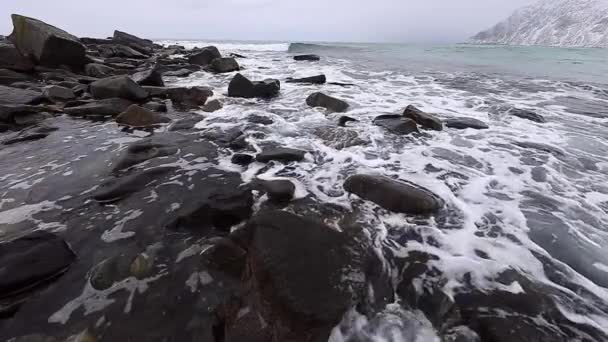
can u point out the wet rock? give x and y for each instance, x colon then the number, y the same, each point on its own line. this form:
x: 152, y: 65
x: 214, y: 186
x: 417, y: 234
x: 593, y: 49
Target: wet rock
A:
x: 259, y: 119
x: 144, y: 150
x: 223, y: 65
x: 460, y: 334
x: 141, y: 267
x: 117, y: 189
x: 212, y: 106
x: 186, y: 98
x: 11, y: 58
x: 396, y: 124
x: 425, y: 120
x: 156, y: 107
x: 185, y: 124
x: 136, y: 116
x: 179, y: 73
x: 109, y: 272
x: 98, y: 70
x: 397, y: 196
x: 8, y: 113
x: 31, y: 118
x: 176, y: 47
x: 226, y: 256
x: 320, y: 79
x: 58, y: 94
x: 541, y: 147
x: 120, y: 51
x: 144, y: 46
x: 8, y: 77
x: 527, y: 114
x: 24, y: 136
x: 10, y: 95
x: 330, y: 103
x: 240, y: 86
x: 31, y: 261
x: 464, y: 123
x: 539, y: 174
x: 344, y: 120
x: 45, y: 44
x: 151, y: 77
x: 204, y: 56
x: 242, y: 159
x: 281, y: 154
x: 100, y: 108
x: 278, y: 191
x: 339, y: 138
x: 307, y: 58
x: 118, y: 86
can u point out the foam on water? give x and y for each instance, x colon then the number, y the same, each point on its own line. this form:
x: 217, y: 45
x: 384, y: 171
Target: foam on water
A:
x: 226, y: 46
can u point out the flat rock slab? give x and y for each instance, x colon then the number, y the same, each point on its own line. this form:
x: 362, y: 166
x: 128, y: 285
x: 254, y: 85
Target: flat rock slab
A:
x: 396, y: 124
x: 464, y: 123
x: 281, y: 154
x: 10, y: 95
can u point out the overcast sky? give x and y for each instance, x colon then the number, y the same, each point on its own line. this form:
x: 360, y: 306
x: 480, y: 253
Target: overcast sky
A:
x: 309, y: 20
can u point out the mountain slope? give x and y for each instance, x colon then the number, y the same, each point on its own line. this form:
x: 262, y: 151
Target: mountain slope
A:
x: 566, y: 23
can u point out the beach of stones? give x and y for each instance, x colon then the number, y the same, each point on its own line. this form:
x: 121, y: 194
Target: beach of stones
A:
x: 260, y: 262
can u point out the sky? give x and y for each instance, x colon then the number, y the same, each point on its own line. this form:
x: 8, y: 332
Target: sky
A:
x: 407, y: 21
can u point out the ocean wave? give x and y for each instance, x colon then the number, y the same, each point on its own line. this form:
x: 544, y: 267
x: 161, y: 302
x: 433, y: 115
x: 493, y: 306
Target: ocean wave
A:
x: 229, y: 46
x: 309, y: 47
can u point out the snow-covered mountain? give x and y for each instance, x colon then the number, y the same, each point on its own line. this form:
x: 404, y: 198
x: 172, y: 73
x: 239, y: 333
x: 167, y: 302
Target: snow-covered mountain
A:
x: 567, y: 23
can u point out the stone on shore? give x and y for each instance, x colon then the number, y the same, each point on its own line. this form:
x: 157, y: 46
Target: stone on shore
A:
x: 10, y: 95
x: 11, y: 58
x: 136, y: 116
x: 223, y: 65
x: 213, y: 106
x: 45, y: 44
x: 98, y: 70
x: 527, y: 114
x: 120, y: 51
x: 425, y: 120
x: 320, y: 79
x: 464, y: 123
x: 332, y: 104
x: 151, y: 77
x: 280, y: 154
x: 117, y: 189
x: 144, y: 46
x: 58, y: 94
x: 307, y: 58
x: 118, y: 86
x: 100, y: 108
x: 204, y: 56
x: 278, y: 191
x: 186, y: 98
x: 8, y: 77
x: 396, y: 124
x: 240, y: 86
x: 397, y: 196
x: 242, y: 159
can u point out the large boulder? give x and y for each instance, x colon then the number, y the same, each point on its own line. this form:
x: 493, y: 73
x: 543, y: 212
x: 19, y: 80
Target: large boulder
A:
x: 150, y: 77
x: 136, y: 116
x: 225, y: 64
x: 11, y: 58
x: 105, y: 107
x: 119, y: 51
x: 240, y: 86
x: 118, y: 86
x: 58, y: 94
x: 400, y: 197
x: 464, y: 123
x: 330, y: 103
x: 424, y: 119
x: 205, y: 56
x: 319, y: 79
x: 8, y: 77
x: 45, y: 44
x: 144, y: 46
x: 10, y: 95
x: 396, y: 124
x: 310, y: 58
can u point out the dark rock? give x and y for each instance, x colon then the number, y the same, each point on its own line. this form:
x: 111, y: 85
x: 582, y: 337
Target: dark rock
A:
x: 240, y: 143
x: 320, y: 79
x: 527, y: 114
x: 32, y: 261
x: 223, y: 65
x: 151, y: 77
x: 176, y: 47
x: 45, y: 44
x: 400, y: 197
x: 69, y: 84
x: 307, y: 58
x: 10, y: 95
x: 330, y: 103
x: 31, y: 118
x: 240, y: 86
x: 120, y: 51
x: 236, y: 55
x: 117, y: 189
x: 425, y: 120
x: 136, y: 116
x: 186, y: 98
x: 141, y: 151
x: 242, y: 159
x: 24, y: 137
x: 226, y: 256
x: 58, y: 94
x: 212, y: 106
x: 185, y: 124
x: 118, y: 86
x: 8, y: 77
x: 539, y: 174
x: 345, y: 119
x: 11, y: 58
x: 339, y: 138
x: 141, y: 45
x: 95, y: 41
x: 8, y: 113
x: 341, y: 84
x: 281, y: 154
x: 106, y: 107
x: 28, y: 86
x: 396, y: 124
x: 460, y: 334
x: 179, y: 73
x: 278, y: 191
x: 464, y: 123
x: 258, y: 119
x: 98, y: 70
x: 156, y: 107
x: 204, y: 56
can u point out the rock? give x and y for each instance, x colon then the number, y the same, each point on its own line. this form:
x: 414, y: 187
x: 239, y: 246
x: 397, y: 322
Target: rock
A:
x: 393, y: 195
x: 396, y: 124
x: 213, y: 106
x: 117, y: 189
x: 8, y: 113
x: 8, y: 77
x: 31, y: 119
x: 527, y: 114
x: 539, y: 174
x: 118, y: 86
x: 136, y: 116
x: 141, y: 267
x: 179, y: 73
x: 31, y: 261
x: 10, y: 95
x: 259, y: 119
x: 45, y: 44
x: 58, y: 94
x: 144, y: 150
x: 186, y: 98
x: 226, y: 256
x: 110, y: 271
x: 320, y: 79
x: 25, y: 136
x: 106, y: 107
x: 240, y: 86
x: 176, y: 47
x: 339, y: 138
x: 425, y: 120
x: 278, y: 191
x: 223, y: 65
x: 185, y: 124
x: 557, y: 152
x: 464, y: 123
x: 344, y: 120
x: 11, y: 58
x: 98, y: 70
x: 281, y: 154
x: 144, y: 46
x: 242, y: 159
x: 156, y: 107
x: 120, y: 51
x: 151, y: 77
x: 460, y: 334
x: 204, y: 56
x: 307, y: 58
x: 332, y: 104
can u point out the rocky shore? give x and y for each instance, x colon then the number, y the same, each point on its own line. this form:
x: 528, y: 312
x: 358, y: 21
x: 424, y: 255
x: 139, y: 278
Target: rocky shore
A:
x: 201, y: 253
